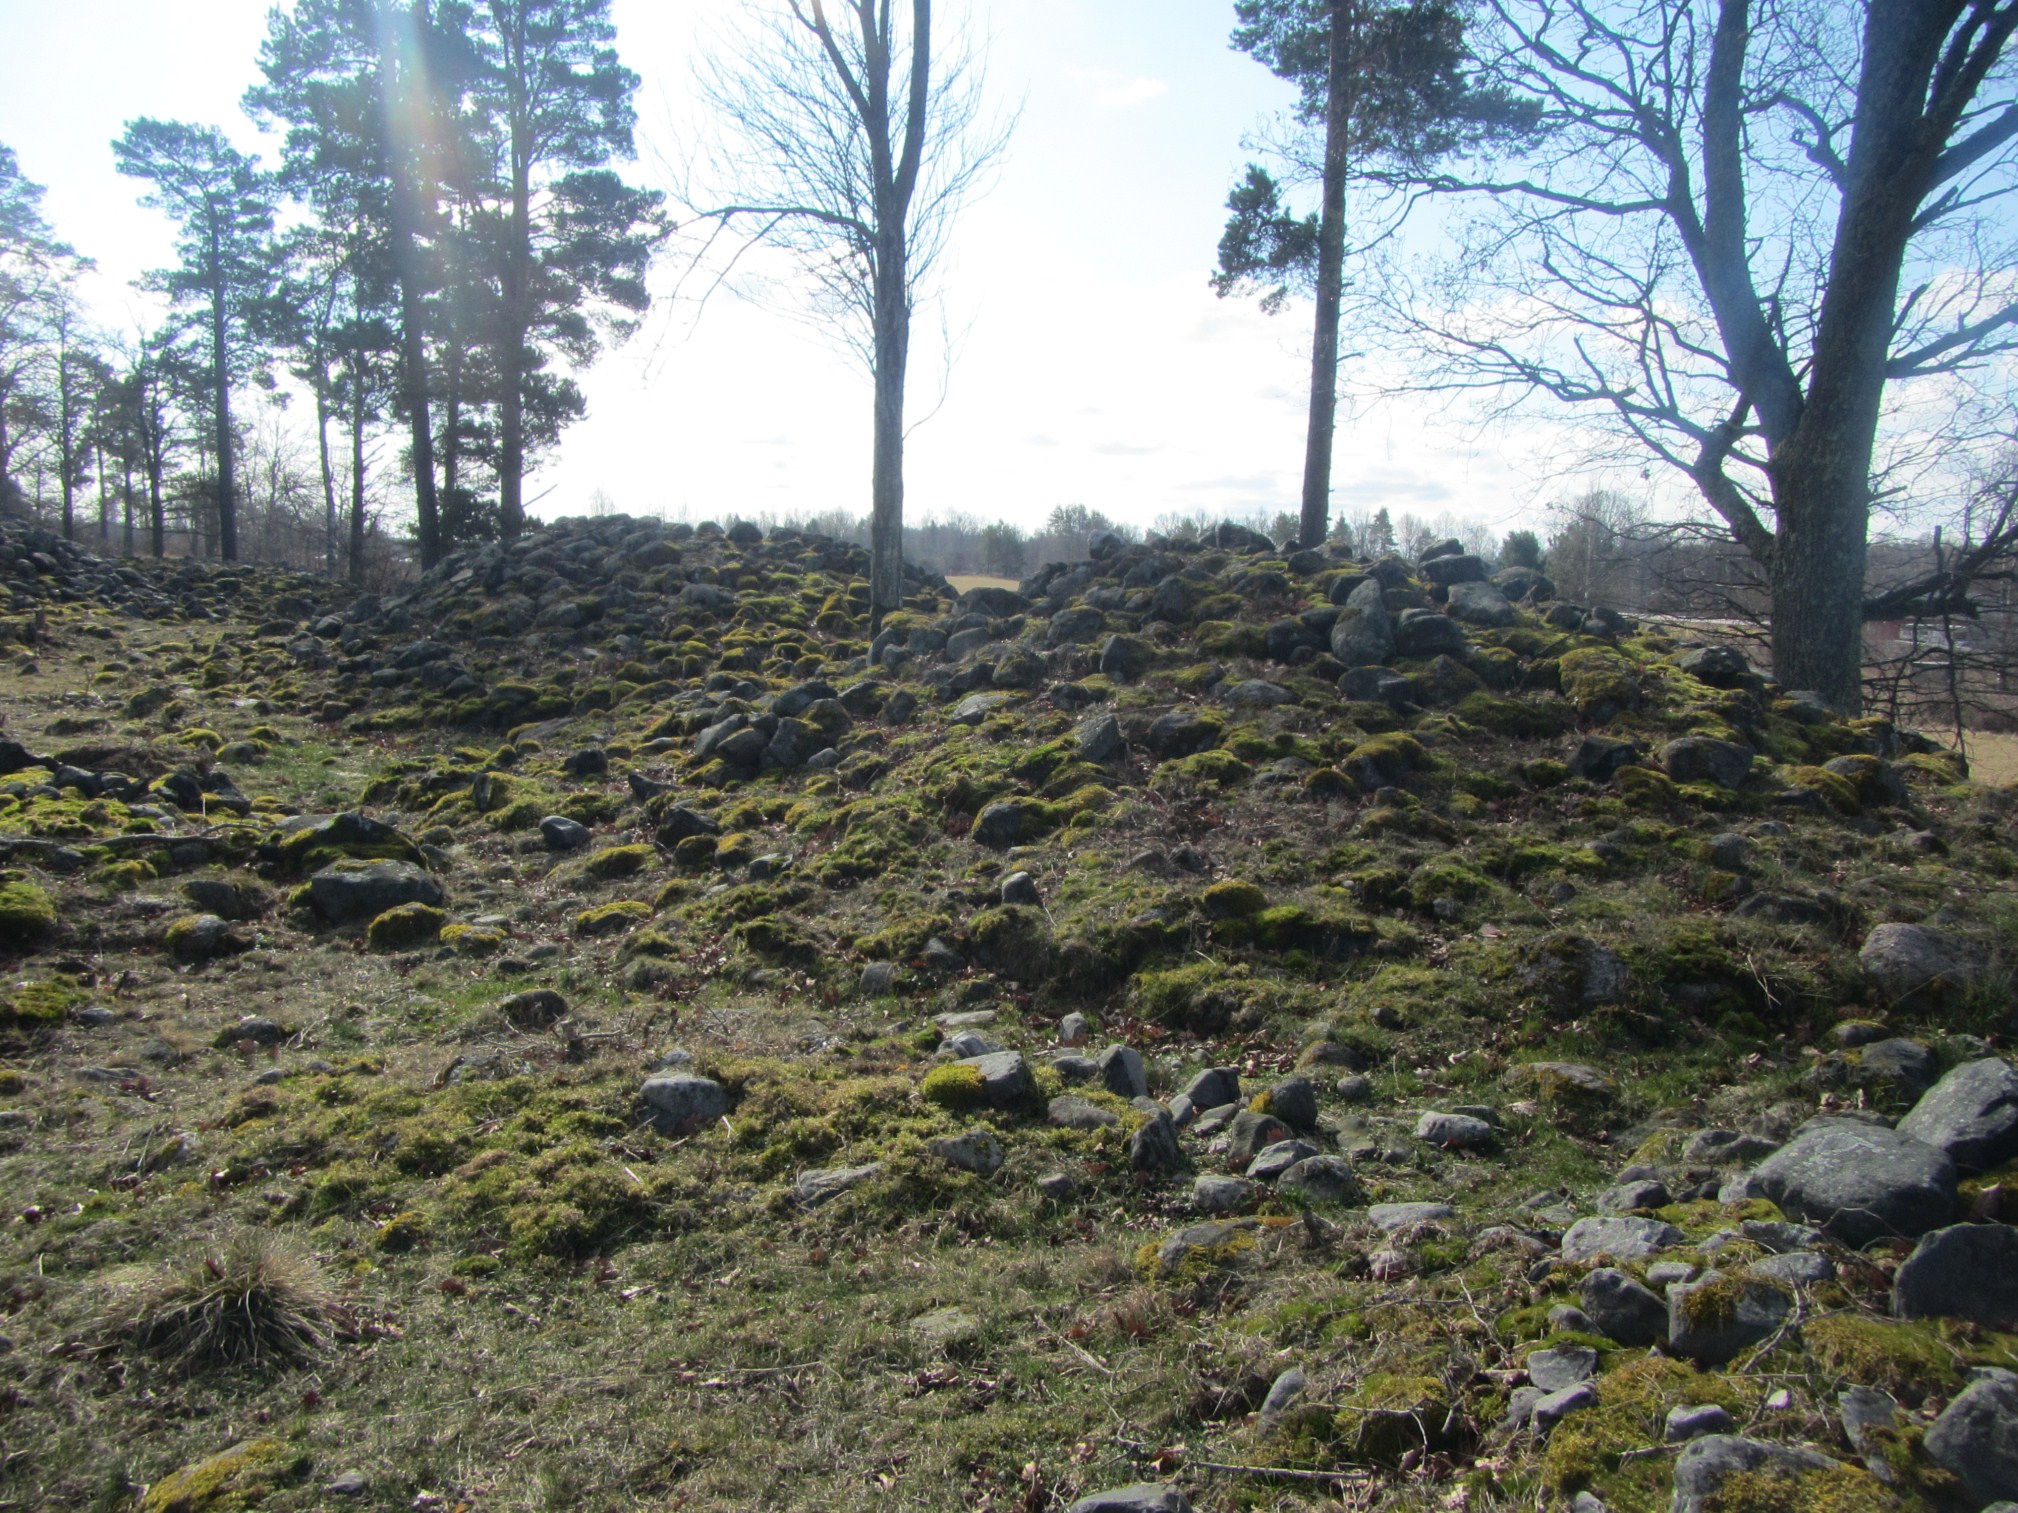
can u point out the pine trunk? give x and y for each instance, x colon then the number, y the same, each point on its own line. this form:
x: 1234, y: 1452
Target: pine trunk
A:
x: 328, y: 479
x: 357, y: 419
x: 1315, y: 521
x: 227, y: 506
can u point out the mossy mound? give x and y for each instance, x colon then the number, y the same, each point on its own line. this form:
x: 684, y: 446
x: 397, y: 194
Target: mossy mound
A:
x: 27, y: 917
x: 406, y: 927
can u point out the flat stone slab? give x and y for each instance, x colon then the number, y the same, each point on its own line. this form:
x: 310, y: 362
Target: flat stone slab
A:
x: 1623, y: 1239
x: 1970, y: 1115
x: 1391, y: 1216
x: 1859, y: 1182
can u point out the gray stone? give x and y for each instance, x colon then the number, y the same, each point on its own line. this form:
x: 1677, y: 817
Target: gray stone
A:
x: 1724, y: 1147
x: 1070, y: 1112
x: 975, y: 1151
x: 1020, y: 888
x: 1701, y: 759
x: 1693, y: 1421
x: 1143, y: 1497
x: 1454, y: 1131
x: 879, y: 978
x: 1646, y: 1192
x: 1423, y: 633
x: 200, y: 937
x: 1323, y: 1179
x: 1124, y: 658
x: 1393, y: 1216
x: 817, y: 1187
x: 1565, y: 1366
x: 1863, y: 1409
x: 1256, y: 693
x: 1710, y: 1321
x: 1859, y: 1182
x: 1780, y: 1237
x: 1251, y: 1133
x: 1976, y: 1437
x: 681, y: 1103
x: 1706, y: 1464
x: 1363, y: 634
x: 1153, y: 1148
x: 1001, y: 824
x: 1272, y: 1161
x: 534, y: 1009
x: 1074, y: 1029
x: 1967, y: 1271
x: 1181, y: 733
x: 348, y: 1484
x: 1622, y: 1239
x: 1005, y: 1077
x: 1480, y: 604
x: 1294, y: 1101
x: 1729, y: 850
x: 976, y: 707
x: 1914, y: 964
x: 563, y: 834
x: 1661, y: 1273
x: 1520, y: 1409
x: 1225, y: 1195
x: 1553, y: 1408
x: 1099, y: 739
x: 1122, y: 1072
x: 963, y: 1044
x: 1905, y: 1068
x: 1214, y: 1087
x: 1283, y: 1393
x: 1971, y: 1114
x: 1216, y: 1237
x: 349, y: 891
x: 1621, y: 1309
x: 1796, y: 1268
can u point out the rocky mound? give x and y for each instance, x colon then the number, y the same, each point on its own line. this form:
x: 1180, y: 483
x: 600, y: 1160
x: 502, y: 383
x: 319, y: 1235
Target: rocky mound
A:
x: 1208, y: 1021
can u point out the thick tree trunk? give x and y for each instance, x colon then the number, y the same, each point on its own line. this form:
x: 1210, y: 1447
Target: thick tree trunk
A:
x: 1315, y: 521
x: 126, y: 501
x: 411, y: 271
x: 893, y: 342
x: 1817, y: 580
x: 157, y: 508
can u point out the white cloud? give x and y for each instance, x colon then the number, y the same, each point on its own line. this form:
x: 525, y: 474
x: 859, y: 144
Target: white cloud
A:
x: 1119, y: 91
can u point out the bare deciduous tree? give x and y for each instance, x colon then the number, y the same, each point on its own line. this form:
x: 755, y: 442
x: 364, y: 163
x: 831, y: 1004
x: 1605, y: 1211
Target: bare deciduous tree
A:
x: 851, y: 141
x: 1749, y: 225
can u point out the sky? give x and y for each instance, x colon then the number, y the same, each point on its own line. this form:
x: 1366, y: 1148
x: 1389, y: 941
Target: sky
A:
x: 1076, y: 354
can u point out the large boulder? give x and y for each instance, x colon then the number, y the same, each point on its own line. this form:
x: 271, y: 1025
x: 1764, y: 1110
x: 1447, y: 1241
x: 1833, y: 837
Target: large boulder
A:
x: 1918, y: 964
x: 681, y: 1103
x: 1707, y: 1464
x: 1623, y: 1309
x: 1699, y: 759
x: 1480, y: 604
x: 346, y: 892
x: 1966, y: 1271
x: 1363, y: 634
x: 1711, y: 1320
x: 1971, y: 1115
x: 1859, y: 1182
x: 1424, y: 633
x: 1976, y: 1437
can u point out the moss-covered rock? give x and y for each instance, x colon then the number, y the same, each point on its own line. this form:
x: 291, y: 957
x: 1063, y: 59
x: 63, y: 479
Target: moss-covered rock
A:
x: 237, y: 1480
x: 27, y: 917
x: 405, y: 928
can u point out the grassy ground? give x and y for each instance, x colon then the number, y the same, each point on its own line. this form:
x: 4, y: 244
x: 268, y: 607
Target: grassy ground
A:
x: 517, y: 1294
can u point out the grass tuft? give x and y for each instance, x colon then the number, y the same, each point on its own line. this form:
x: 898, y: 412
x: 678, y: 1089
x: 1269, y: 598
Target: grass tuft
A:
x: 254, y: 1302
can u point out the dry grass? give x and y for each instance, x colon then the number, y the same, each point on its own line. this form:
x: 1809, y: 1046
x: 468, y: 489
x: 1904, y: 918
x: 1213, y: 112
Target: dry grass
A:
x: 1993, y: 757
x: 962, y: 582
x: 255, y: 1301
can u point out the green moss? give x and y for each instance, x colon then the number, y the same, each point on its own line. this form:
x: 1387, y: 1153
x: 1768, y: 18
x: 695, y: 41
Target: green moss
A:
x: 405, y: 928
x: 616, y: 861
x: 27, y: 917
x: 1592, y: 1449
x: 1526, y: 719
x: 30, y: 1005
x: 1233, y: 899
x: 474, y: 940
x: 402, y: 1232
x: 1199, y: 998
x: 1644, y: 788
x: 1013, y: 940
x: 1599, y: 682
x: 612, y: 918
x: 234, y: 1481
x: 1839, y: 793
x: 953, y: 1086
x: 1838, y: 1489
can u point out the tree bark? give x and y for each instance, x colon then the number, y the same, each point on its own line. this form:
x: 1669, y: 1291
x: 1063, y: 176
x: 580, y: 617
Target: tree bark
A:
x: 357, y: 420
x: 1315, y: 521
x: 227, y: 506
x: 328, y: 476
x: 411, y: 274
x: 893, y: 340
x: 516, y: 281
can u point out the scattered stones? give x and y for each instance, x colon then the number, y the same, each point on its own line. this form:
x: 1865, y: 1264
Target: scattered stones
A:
x: 1967, y: 1271
x: 1971, y: 1115
x: 1218, y: 1196
x: 1455, y: 1131
x: 1621, y: 1239
x: 1976, y: 1437
x: 1710, y: 1321
x: 535, y: 1009
x: 1005, y: 1077
x: 1699, y: 759
x: 1122, y: 1072
x: 1707, y: 1464
x: 1393, y: 1216
x: 563, y: 834
x: 1564, y: 1366
x: 1918, y: 965
x: 351, y: 891
x: 1621, y: 1309
x: 1070, y: 1112
x: 1859, y: 1182
x: 976, y: 1151
x: 1689, y: 1422
x: 682, y: 1103
x: 1153, y: 1148
x: 1324, y: 1180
